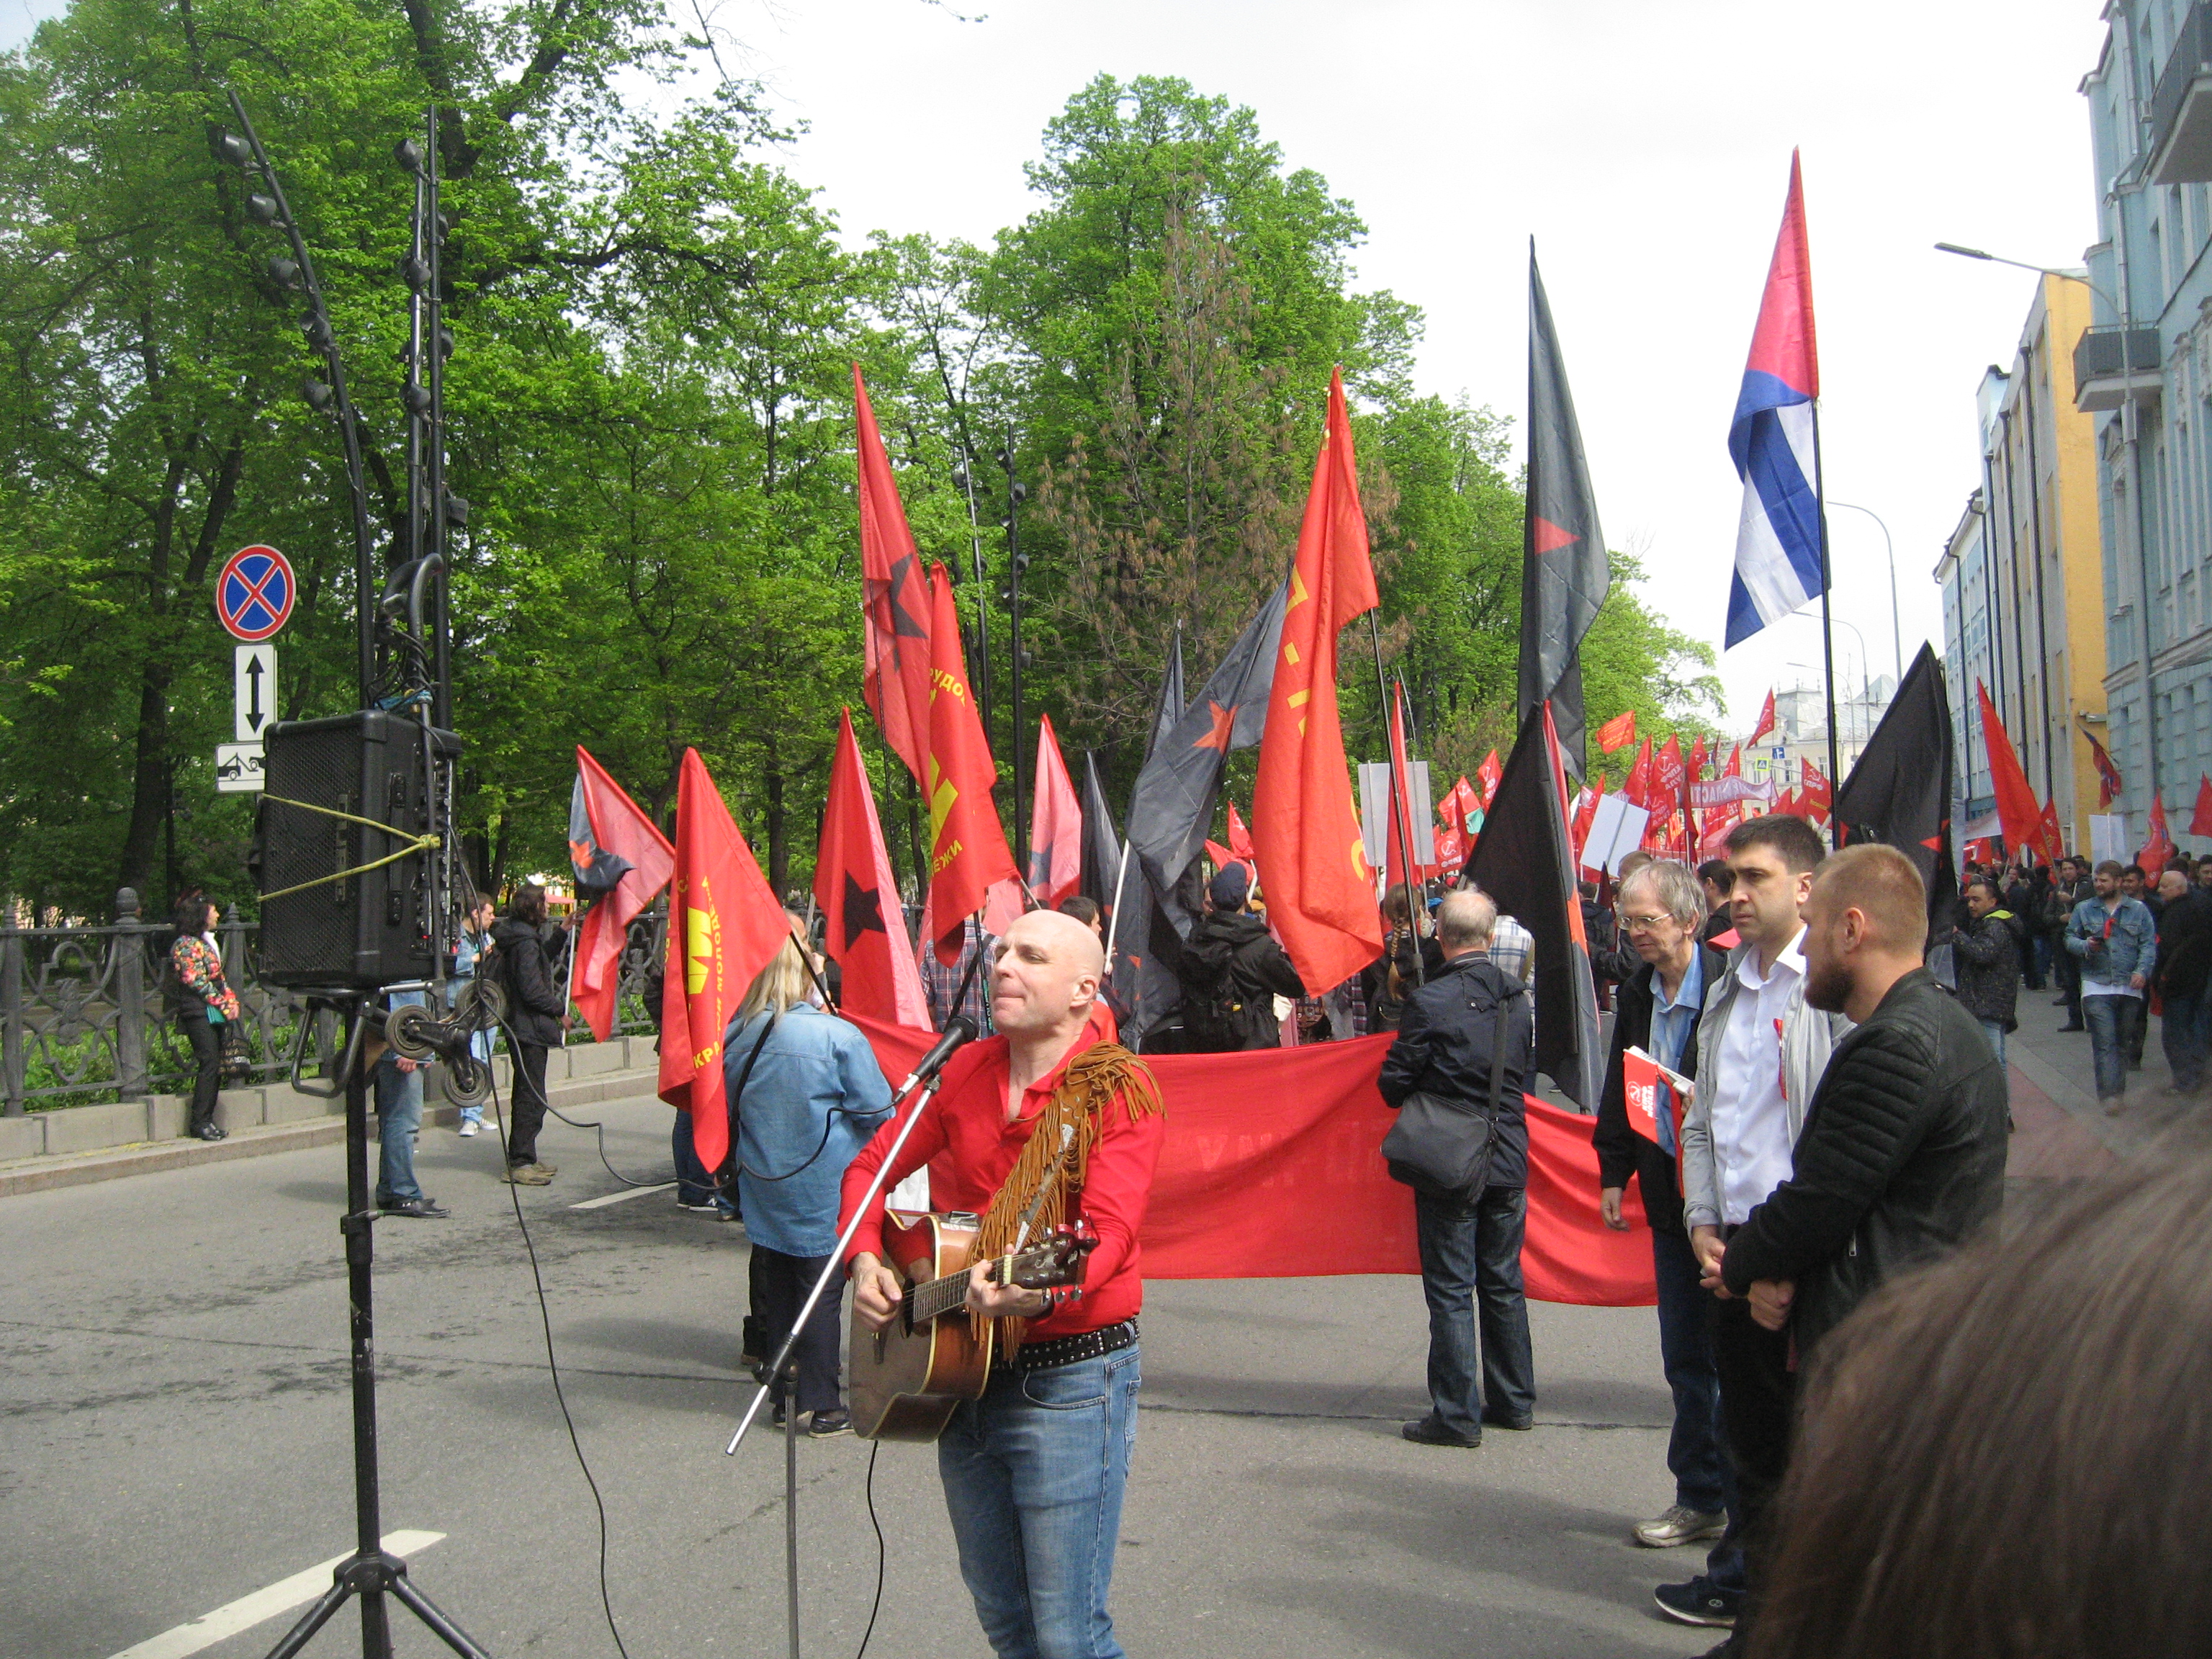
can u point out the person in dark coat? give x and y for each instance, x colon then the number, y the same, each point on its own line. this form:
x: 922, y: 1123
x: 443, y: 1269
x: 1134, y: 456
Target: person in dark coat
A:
x: 1232, y: 972
x: 1470, y: 1244
x: 1902, y: 1156
x: 1386, y: 981
x: 1661, y: 913
x: 537, y: 1021
x: 2070, y: 885
x: 2185, y: 966
x: 1987, y: 950
x: 2019, y: 898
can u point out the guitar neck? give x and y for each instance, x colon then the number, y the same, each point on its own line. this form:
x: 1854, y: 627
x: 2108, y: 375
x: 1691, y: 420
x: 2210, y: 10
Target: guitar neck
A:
x: 937, y: 1297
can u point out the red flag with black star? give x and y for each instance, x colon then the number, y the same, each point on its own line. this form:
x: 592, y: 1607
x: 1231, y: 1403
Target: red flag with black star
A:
x: 724, y: 926
x: 1305, y: 828
x: 895, y: 603
x: 859, y: 897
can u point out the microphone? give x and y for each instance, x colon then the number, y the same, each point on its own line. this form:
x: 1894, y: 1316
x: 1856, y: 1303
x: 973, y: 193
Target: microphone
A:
x: 958, y: 1030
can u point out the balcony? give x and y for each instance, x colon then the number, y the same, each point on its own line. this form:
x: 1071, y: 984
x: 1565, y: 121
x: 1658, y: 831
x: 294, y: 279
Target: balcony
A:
x: 2181, y: 107
x: 2113, y: 365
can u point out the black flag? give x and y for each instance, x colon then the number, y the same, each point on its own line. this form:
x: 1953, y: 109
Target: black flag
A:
x: 1172, y: 806
x: 1900, y: 792
x: 1102, y: 849
x: 1564, y: 571
x: 1523, y: 861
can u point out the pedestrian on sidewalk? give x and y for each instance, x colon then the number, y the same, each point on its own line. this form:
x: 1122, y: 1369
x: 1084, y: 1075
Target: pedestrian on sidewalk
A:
x: 399, y: 1123
x: 1988, y: 952
x: 2019, y: 898
x: 2184, y: 968
x: 468, y: 951
x: 2115, y: 942
x: 808, y: 1095
x: 1470, y: 1238
x: 1762, y: 1050
x: 537, y: 1021
x: 2069, y: 886
x: 1661, y: 915
x: 206, y: 1006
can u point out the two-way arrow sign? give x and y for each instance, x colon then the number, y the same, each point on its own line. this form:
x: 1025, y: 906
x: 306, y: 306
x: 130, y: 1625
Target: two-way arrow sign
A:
x: 254, y: 680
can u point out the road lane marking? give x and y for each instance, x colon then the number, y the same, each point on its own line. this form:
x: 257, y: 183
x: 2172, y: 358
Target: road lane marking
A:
x: 284, y: 1595
x: 601, y: 1203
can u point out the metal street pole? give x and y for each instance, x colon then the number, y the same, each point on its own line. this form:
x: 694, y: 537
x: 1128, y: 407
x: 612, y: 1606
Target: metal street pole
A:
x: 1896, y: 630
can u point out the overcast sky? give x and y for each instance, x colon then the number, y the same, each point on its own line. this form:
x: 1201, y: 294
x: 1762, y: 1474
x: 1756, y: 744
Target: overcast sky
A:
x: 1644, y: 143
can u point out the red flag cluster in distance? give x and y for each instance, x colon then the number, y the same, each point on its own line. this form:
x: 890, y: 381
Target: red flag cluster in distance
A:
x: 619, y: 827
x: 724, y: 926
x: 1305, y: 829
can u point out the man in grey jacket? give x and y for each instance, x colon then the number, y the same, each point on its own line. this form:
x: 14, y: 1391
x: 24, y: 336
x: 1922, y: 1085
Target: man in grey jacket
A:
x: 1760, y: 1055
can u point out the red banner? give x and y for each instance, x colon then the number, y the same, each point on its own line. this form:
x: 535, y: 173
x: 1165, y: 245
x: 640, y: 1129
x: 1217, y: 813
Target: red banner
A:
x: 1272, y: 1169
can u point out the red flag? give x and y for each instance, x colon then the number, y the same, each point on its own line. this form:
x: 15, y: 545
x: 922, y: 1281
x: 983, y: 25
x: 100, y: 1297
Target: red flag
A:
x: 2017, y: 815
x: 1490, y: 772
x: 1639, y: 1075
x: 895, y: 602
x: 1698, y: 759
x: 620, y: 828
x: 2200, y: 822
x: 1320, y: 894
x: 1402, y: 825
x: 1618, y: 733
x: 724, y: 926
x: 1766, y: 719
x: 1055, y: 824
x: 1467, y: 799
x: 1240, y: 838
x: 1817, y: 798
x: 1638, y: 786
x: 967, y: 846
x: 2054, y: 838
x: 1578, y: 833
x: 1734, y: 767
x: 2109, y: 783
x: 2159, y: 849
x: 865, y: 930
x: 1668, y: 773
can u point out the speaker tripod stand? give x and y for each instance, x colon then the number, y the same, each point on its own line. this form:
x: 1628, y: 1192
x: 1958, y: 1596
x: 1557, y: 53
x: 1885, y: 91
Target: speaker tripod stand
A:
x: 371, y: 1572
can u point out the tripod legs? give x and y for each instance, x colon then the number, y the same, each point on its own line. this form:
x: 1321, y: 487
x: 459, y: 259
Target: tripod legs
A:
x: 369, y: 1572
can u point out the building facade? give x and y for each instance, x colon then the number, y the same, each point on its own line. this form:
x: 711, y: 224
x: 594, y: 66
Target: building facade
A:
x: 2143, y: 373
x: 2023, y: 575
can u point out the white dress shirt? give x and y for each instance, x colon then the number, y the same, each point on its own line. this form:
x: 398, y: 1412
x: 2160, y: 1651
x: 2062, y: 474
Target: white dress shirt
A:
x: 1752, y: 1149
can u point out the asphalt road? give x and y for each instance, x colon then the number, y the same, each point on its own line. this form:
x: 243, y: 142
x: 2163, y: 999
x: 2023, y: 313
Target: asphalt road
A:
x: 175, y: 1435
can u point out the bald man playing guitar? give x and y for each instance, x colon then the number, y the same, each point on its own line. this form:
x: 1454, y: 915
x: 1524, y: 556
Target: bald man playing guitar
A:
x: 1040, y: 1124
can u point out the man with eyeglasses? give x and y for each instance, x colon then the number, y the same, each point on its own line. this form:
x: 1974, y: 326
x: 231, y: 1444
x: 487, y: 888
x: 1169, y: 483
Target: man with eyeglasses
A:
x: 1663, y: 912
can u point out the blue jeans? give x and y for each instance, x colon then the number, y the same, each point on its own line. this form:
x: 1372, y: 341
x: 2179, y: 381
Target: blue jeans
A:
x: 1034, y: 1472
x: 1995, y: 1032
x: 2186, y: 1032
x: 2114, y: 1022
x: 479, y: 1045
x: 694, y: 1183
x: 1696, y: 1452
x: 1471, y: 1253
x: 398, y: 1116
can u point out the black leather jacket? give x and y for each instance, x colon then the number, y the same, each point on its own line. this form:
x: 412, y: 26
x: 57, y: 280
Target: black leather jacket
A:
x: 1902, y: 1156
x: 1444, y: 1047
x: 1620, y: 1151
x: 534, y: 1007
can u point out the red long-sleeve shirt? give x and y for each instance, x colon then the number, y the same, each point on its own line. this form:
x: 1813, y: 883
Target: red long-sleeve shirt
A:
x: 969, y: 1148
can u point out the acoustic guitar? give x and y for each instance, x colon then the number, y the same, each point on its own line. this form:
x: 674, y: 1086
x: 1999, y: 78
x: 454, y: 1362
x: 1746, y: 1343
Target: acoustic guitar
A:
x: 906, y: 1379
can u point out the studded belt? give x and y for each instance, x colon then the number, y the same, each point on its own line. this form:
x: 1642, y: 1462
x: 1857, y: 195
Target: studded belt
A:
x: 1071, y: 1350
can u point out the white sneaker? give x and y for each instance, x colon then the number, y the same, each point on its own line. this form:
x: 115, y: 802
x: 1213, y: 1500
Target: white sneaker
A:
x: 469, y: 1128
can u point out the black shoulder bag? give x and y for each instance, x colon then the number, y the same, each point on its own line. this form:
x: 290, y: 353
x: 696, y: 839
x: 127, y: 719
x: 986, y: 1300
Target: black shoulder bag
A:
x: 1443, y: 1145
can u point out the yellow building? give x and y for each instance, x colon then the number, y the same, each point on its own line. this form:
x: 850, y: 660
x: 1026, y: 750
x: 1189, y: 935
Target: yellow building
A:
x: 2027, y: 617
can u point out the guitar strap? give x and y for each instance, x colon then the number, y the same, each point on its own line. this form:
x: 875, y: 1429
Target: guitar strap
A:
x: 1057, y: 1154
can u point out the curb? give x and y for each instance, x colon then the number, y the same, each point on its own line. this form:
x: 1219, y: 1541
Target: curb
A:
x: 146, y: 1157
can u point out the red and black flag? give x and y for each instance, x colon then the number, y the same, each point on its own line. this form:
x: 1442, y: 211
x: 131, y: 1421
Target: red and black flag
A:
x: 1565, y: 572
x: 621, y: 859
x: 1172, y: 806
x: 895, y: 601
x: 1899, y: 791
x: 864, y: 927
x: 1525, y: 863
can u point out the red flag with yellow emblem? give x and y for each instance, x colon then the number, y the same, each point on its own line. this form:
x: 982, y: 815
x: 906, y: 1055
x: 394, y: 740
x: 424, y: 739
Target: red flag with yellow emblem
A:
x: 1305, y: 829
x: 724, y: 926
x: 968, y: 850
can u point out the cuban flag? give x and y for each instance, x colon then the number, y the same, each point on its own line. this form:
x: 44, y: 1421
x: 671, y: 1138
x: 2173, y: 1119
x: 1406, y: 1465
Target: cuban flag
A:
x: 1778, y: 544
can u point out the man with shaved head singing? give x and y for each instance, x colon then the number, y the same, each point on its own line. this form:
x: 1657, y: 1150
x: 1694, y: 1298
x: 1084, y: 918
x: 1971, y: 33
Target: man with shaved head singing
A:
x: 1041, y: 1119
x: 1903, y: 1151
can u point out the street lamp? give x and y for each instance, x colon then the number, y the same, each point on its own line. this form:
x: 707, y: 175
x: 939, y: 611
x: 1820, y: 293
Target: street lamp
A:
x: 1896, y: 632
x: 2069, y: 273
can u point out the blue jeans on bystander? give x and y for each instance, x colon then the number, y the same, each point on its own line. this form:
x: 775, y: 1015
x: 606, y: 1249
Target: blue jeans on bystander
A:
x: 2115, y: 1025
x: 1471, y: 1256
x: 398, y: 1118
x: 1697, y: 1454
x: 1033, y: 1474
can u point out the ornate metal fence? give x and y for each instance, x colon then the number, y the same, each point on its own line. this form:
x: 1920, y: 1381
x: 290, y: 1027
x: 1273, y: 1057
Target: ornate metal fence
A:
x: 90, y: 1013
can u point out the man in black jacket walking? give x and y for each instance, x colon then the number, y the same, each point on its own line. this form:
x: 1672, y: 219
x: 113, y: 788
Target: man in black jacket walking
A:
x: 1232, y: 970
x: 1662, y: 914
x: 2185, y: 965
x: 1471, y: 1244
x: 1903, y: 1151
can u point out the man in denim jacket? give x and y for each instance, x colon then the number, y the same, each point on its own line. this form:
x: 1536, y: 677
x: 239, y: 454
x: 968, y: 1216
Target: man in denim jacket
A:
x: 2117, y: 940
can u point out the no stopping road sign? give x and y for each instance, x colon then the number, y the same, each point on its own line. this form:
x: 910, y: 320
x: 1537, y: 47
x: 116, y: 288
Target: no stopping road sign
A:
x: 253, y: 595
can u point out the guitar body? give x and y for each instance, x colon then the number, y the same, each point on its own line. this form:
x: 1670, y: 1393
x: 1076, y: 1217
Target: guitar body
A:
x: 905, y: 1381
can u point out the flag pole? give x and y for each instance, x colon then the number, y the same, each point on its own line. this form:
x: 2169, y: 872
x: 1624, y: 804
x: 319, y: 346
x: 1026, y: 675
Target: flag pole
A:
x: 1114, y: 917
x: 1403, y: 829
x: 1827, y: 629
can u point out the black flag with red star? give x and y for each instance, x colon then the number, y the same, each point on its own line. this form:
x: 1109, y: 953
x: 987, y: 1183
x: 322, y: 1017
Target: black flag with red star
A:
x: 1171, y: 808
x: 1565, y: 572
